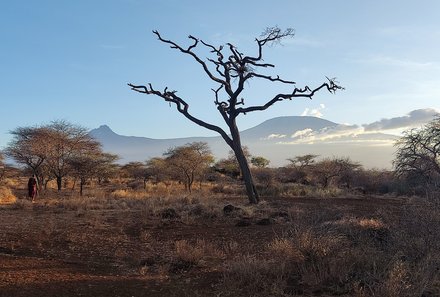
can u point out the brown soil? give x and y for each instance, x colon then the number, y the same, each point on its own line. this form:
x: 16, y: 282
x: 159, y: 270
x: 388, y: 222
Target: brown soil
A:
x: 47, y: 251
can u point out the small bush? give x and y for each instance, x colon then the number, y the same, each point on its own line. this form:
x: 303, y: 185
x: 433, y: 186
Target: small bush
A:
x: 195, y: 254
x: 250, y: 276
x: 285, y: 249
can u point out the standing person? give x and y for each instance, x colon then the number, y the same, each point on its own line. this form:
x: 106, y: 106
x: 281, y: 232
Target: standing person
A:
x: 32, y: 187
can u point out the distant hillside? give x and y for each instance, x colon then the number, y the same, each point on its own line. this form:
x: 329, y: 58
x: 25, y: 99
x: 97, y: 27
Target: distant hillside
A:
x: 276, y: 139
x: 285, y: 126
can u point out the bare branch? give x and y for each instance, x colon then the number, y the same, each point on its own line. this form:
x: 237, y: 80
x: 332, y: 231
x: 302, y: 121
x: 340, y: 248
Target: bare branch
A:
x: 275, y: 35
x: 271, y: 36
x: 181, y: 106
x: 331, y: 86
x: 191, y: 53
x: 232, y: 70
x: 253, y: 74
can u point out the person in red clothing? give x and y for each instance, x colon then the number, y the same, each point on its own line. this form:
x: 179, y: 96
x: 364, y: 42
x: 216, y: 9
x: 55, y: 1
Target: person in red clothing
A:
x: 32, y: 187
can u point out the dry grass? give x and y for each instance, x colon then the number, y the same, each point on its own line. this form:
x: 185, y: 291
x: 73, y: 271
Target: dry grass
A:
x: 285, y: 249
x: 198, y: 253
x: 6, y: 196
x: 324, y: 251
x: 365, y: 256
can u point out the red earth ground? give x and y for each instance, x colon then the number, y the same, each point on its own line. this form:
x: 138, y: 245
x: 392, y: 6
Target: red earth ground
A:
x: 51, y: 251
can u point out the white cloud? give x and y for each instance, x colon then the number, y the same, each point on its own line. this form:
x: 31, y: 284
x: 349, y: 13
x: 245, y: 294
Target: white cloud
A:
x: 302, y: 133
x: 414, y: 118
x: 366, y: 135
x: 315, y: 112
x: 305, y: 112
x: 339, y: 135
x: 276, y: 136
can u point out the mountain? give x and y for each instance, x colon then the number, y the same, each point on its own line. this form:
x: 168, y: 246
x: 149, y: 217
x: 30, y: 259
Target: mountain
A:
x: 285, y: 126
x: 276, y: 139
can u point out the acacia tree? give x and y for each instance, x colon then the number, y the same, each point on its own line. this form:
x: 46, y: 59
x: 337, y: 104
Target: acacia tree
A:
x: 341, y: 169
x: 191, y: 161
x: 302, y: 166
x: 29, y: 147
x: 66, y: 141
x: 230, y: 70
x: 157, y: 169
x: 90, y: 163
x: 418, y: 153
x: 260, y: 162
x: 137, y: 170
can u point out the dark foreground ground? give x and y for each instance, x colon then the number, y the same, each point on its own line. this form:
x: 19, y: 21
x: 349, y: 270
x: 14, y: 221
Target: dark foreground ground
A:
x: 53, y: 249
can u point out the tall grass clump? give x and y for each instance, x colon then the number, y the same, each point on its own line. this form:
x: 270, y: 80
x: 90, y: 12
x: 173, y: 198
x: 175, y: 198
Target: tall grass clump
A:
x: 6, y: 196
x: 196, y: 254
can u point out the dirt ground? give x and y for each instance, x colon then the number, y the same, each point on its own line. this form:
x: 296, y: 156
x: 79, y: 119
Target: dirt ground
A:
x: 51, y: 251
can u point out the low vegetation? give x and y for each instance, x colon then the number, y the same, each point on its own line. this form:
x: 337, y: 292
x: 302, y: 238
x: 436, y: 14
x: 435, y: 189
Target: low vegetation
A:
x: 180, y: 225
x: 359, y: 246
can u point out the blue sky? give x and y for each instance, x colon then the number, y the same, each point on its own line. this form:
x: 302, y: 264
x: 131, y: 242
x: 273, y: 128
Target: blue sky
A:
x: 72, y: 59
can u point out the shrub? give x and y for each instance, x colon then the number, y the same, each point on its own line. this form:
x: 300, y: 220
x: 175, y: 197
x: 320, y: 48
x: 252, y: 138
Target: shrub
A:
x: 189, y: 254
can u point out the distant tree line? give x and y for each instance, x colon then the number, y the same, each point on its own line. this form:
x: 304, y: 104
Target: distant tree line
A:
x: 61, y: 149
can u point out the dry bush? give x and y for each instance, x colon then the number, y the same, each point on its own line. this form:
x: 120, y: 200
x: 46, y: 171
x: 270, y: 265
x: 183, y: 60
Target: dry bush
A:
x: 285, y: 249
x: 228, y: 189
x: 231, y: 248
x: 371, y: 223
x: 301, y: 190
x: 198, y: 253
x: 129, y: 193
x: 251, y: 276
x: 6, y: 196
x: 12, y: 183
x: 387, y: 254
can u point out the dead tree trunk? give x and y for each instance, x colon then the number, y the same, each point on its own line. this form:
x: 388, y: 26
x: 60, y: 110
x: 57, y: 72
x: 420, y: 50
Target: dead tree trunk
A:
x: 59, y: 182
x: 243, y: 163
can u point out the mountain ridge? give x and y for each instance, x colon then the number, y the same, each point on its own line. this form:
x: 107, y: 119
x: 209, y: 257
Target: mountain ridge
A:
x: 275, y: 139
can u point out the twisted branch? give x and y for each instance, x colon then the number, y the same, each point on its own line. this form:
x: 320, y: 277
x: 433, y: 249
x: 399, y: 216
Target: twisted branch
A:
x: 332, y: 86
x: 182, y: 107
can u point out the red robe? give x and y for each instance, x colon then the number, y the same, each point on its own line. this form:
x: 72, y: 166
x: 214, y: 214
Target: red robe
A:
x: 32, y: 187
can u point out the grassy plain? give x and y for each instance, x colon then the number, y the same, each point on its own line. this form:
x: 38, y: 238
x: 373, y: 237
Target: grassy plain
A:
x: 163, y: 242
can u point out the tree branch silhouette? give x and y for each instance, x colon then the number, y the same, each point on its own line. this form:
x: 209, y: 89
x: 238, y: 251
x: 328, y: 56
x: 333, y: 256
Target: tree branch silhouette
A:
x: 230, y: 69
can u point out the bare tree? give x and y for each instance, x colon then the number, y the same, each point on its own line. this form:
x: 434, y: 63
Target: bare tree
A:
x: 230, y: 70
x: 339, y: 169
x: 418, y: 154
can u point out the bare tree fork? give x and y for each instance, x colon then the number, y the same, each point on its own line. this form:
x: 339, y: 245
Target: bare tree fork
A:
x: 230, y: 70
